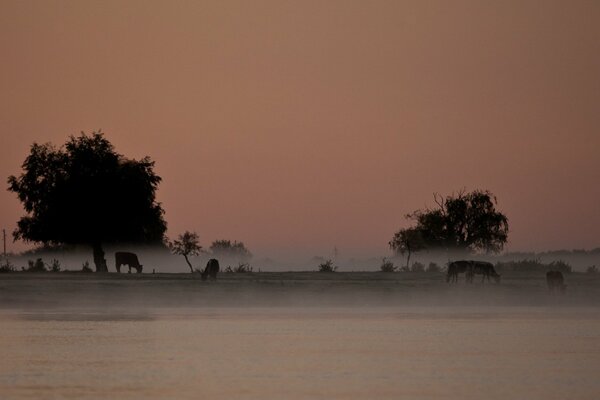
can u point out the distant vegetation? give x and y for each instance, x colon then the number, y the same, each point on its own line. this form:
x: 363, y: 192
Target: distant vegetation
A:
x: 6, y: 266
x: 533, y: 266
x: 240, y: 269
x: 228, y: 249
x: 387, y: 266
x: 327, y: 266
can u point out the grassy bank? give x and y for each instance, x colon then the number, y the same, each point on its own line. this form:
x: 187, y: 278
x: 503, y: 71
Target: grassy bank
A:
x: 266, y: 289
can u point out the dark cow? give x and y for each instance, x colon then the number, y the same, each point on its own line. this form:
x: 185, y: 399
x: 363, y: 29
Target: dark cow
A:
x: 211, y: 270
x: 485, y: 269
x: 556, y: 282
x: 458, y: 267
x: 129, y: 259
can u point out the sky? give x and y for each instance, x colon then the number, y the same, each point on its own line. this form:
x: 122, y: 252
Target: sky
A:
x: 297, y: 127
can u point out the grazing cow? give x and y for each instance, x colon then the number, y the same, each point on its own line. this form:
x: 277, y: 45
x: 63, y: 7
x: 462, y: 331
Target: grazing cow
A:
x: 485, y: 269
x: 211, y: 270
x: 556, y: 282
x: 129, y: 259
x: 458, y: 267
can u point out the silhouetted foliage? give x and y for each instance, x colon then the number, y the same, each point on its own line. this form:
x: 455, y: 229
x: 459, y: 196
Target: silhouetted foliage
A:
x: 466, y: 222
x: 417, y: 267
x: 86, y: 193
x: 36, y: 266
x: 85, y: 267
x: 7, y: 266
x: 327, y: 266
x: 186, y: 245
x: 433, y: 267
x: 227, y: 249
x: 592, y: 269
x: 533, y: 266
x: 387, y: 266
x: 241, y: 268
x: 54, y: 265
x: 407, y: 241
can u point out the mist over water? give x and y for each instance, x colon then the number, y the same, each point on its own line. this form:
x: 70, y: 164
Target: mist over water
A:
x: 266, y: 353
x: 297, y: 335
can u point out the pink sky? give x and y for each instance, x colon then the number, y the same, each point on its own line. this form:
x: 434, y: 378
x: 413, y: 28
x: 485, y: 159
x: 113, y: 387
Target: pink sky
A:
x: 299, y: 126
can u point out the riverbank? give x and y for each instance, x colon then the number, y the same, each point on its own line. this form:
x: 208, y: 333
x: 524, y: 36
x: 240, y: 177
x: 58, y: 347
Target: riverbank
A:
x: 273, y: 289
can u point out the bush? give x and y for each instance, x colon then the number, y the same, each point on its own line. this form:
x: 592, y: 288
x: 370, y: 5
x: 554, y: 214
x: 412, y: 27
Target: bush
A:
x: 55, y: 265
x: 417, y: 267
x: 242, y: 268
x: 387, y: 266
x: 7, y: 266
x: 433, y: 267
x: 327, y: 266
x: 85, y: 267
x: 592, y: 269
x: 36, y: 266
x: 560, y: 266
x: 534, y: 265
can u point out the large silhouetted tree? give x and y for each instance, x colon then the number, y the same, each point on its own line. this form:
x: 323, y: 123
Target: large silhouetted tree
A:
x: 466, y: 222
x: 86, y: 193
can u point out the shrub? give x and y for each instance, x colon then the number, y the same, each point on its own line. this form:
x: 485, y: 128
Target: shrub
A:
x: 55, y: 265
x: 7, y: 266
x: 85, y: 267
x: 417, y: 267
x: 240, y: 269
x: 327, y: 266
x: 534, y: 265
x: 387, y: 266
x: 36, y: 266
x: 433, y: 267
x: 592, y: 269
x: 560, y: 266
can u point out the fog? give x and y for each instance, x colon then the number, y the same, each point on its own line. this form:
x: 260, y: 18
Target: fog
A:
x: 160, y: 260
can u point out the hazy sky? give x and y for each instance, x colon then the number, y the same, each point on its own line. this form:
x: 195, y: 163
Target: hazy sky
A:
x: 299, y: 126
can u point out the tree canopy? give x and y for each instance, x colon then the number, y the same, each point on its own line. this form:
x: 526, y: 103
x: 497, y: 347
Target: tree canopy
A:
x: 86, y: 193
x: 187, y: 244
x: 228, y: 249
x: 465, y: 222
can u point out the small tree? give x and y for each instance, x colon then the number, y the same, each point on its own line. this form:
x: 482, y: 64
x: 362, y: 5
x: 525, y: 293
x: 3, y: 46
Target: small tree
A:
x: 230, y: 250
x: 186, y: 245
x: 327, y: 266
x: 387, y: 265
x: 407, y: 241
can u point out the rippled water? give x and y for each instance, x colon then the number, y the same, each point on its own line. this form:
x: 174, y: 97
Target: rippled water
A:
x: 300, y: 354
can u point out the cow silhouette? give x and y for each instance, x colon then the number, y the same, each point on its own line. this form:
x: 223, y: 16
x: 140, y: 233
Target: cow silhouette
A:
x: 211, y: 270
x: 129, y: 259
x: 484, y: 268
x: 458, y: 267
x: 556, y: 282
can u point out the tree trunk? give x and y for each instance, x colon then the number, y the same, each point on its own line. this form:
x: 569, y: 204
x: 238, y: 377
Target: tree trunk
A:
x: 188, y: 263
x: 408, y: 261
x: 99, y: 259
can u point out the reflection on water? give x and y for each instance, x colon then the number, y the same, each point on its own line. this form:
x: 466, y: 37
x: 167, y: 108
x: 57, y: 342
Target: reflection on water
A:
x: 296, y: 353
